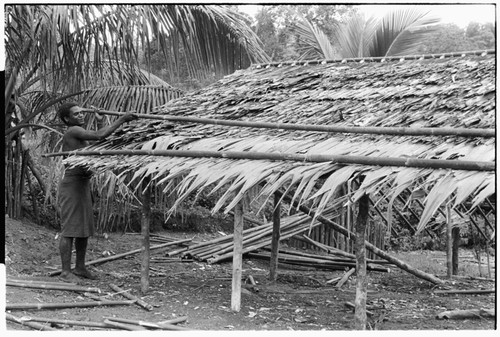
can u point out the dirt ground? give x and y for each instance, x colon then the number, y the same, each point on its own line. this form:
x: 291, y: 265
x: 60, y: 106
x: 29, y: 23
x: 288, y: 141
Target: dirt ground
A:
x: 299, y: 300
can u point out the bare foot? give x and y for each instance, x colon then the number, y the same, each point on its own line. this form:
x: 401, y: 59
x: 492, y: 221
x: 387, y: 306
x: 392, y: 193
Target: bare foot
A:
x: 85, y: 273
x: 69, y: 277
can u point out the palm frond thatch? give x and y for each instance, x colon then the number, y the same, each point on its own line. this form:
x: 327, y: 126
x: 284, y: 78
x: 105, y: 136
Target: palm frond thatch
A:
x: 412, y: 93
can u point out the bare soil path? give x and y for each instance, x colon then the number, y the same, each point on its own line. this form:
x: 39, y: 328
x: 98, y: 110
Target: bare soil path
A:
x: 300, y: 300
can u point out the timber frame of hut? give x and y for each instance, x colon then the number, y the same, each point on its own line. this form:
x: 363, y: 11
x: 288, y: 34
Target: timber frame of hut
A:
x: 321, y: 133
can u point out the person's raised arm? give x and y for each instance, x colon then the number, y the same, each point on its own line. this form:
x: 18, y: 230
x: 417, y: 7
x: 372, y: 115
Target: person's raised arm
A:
x: 81, y: 133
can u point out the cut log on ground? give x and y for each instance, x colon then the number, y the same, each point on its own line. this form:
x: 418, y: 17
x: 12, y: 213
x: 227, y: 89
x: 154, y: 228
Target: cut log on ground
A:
x: 466, y: 314
x: 137, y: 300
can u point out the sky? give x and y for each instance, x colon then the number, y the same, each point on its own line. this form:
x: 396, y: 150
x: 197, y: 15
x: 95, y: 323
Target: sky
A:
x: 460, y: 14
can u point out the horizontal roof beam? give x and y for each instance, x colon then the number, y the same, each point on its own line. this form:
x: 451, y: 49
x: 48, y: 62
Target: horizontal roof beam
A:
x: 315, y: 158
x: 396, y: 131
x: 378, y: 59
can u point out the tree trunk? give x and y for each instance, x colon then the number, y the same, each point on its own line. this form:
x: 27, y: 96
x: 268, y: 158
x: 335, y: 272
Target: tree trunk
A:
x: 36, y: 174
x: 360, y: 301
x: 237, y: 257
x: 275, y: 241
x: 145, y: 224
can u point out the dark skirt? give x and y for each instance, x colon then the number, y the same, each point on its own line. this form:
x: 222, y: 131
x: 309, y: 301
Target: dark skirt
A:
x: 75, y: 200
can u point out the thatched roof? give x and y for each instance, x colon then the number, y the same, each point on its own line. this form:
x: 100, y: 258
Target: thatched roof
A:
x: 457, y: 92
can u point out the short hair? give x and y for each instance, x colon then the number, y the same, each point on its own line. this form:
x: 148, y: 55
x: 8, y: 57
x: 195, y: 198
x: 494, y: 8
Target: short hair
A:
x: 64, y: 110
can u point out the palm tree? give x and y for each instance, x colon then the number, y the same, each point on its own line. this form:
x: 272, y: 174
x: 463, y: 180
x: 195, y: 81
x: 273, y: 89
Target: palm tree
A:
x: 397, y: 33
x: 90, y: 52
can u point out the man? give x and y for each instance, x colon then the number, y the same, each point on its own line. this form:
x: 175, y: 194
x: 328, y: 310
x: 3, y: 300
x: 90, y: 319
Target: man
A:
x: 75, y: 198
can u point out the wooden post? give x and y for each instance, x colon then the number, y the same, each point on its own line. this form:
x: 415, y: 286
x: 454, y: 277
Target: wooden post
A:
x: 449, y: 243
x: 145, y: 223
x: 360, y: 301
x: 237, y: 257
x: 455, y: 233
x: 369, y: 246
x: 486, y: 246
x: 275, y: 241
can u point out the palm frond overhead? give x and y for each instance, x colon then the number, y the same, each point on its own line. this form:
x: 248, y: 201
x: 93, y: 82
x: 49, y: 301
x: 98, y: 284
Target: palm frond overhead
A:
x: 401, y: 31
x: 63, y: 40
x: 413, y: 93
x: 356, y: 36
x: 314, y: 43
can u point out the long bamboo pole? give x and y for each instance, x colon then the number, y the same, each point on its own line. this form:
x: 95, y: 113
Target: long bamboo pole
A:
x: 68, y: 287
x: 33, y: 325
x: 26, y: 306
x: 119, y: 256
x: 151, y: 325
x: 313, y: 158
x: 399, y: 131
x: 124, y: 326
x: 65, y: 322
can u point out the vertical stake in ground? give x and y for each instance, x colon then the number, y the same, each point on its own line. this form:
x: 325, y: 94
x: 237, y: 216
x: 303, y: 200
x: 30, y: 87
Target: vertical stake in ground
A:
x: 275, y: 241
x: 237, y: 257
x: 455, y: 233
x: 360, y: 301
x: 145, y: 223
x: 449, y: 242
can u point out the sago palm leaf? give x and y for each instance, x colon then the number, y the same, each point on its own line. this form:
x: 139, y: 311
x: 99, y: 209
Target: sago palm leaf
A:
x: 355, y: 37
x: 140, y: 99
x: 401, y: 31
x: 314, y: 43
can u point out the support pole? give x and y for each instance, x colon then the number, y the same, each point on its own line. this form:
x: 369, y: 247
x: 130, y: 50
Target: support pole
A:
x: 360, y: 301
x: 275, y: 241
x: 145, y: 223
x: 455, y: 233
x: 237, y: 257
x: 449, y: 243
x: 369, y: 246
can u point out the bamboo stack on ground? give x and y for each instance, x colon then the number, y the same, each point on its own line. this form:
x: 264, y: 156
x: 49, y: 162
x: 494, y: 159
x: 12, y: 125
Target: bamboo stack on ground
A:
x: 317, y: 261
x: 253, y: 238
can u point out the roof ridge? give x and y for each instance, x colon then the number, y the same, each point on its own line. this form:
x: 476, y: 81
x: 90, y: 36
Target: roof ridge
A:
x: 378, y: 59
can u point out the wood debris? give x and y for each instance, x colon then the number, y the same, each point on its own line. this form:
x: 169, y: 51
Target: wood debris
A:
x: 466, y: 314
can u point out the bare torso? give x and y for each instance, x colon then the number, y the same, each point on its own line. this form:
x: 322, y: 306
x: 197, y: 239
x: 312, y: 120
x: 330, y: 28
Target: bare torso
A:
x: 71, y: 141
